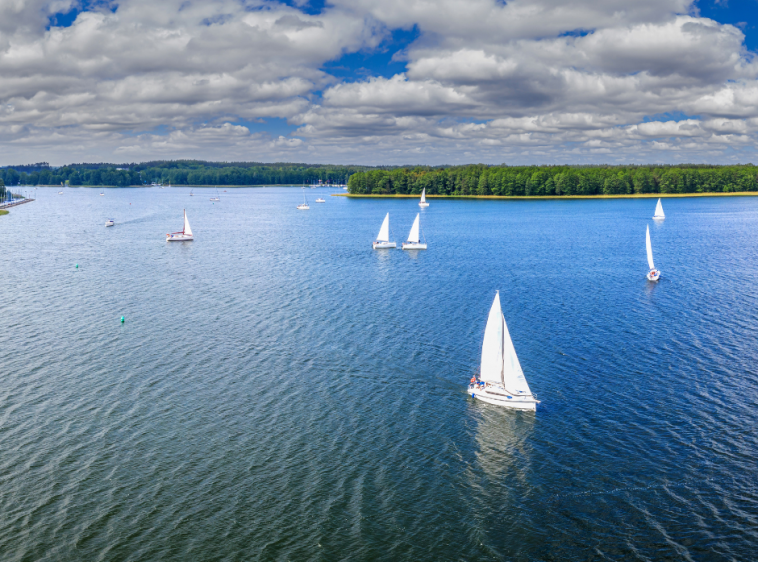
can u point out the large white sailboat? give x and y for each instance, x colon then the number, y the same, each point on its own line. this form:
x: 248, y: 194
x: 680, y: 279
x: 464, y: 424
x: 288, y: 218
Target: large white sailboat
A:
x: 659, y: 211
x: 501, y: 380
x: 653, y: 274
x: 423, y: 202
x: 413, y: 242
x: 184, y: 236
x: 383, y: 238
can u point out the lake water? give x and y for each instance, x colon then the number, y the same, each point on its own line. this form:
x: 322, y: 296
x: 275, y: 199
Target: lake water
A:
x: 279, y: 391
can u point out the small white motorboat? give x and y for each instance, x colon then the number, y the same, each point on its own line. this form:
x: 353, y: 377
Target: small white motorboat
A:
x: 501, y: 380
x: 320, y: 200
x: 101, y: 193
x: 304, y: 205
x: 653, y: 274
x: 659, y: 211
x: 414, y: 242
x: 383, y: 238
x: 184, y: 236
x: 109, y: 222
x: 423, y: 202
x: 60, y: 193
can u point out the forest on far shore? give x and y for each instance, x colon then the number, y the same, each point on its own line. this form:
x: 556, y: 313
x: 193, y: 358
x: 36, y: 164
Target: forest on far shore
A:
x: 555, y: 180
x: 176, y: 172
x: 475, y: 179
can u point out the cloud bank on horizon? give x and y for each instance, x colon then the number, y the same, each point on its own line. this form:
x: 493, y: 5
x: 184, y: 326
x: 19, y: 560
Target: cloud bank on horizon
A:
x: 376, y: 81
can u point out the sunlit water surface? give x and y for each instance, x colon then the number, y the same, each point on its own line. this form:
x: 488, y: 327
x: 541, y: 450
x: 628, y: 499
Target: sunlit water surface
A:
x: 279, y: 391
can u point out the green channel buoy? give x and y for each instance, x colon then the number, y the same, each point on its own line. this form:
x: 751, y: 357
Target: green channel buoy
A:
x: 122, y: 319
x: 77, y: 266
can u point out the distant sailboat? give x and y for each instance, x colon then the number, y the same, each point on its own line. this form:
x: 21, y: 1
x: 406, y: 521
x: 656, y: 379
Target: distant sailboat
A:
x: 191, y: 194
x: 423, y: 202
x: 304, y: 205
x: 653, y: 274
x: 183, y: 236
x: 102, y: 192
x: 383, y: 238
x: 659, y: 211
x: 320, y: 200
x: 413, y: 242
x: 216, y: 198
x: 501, y: 380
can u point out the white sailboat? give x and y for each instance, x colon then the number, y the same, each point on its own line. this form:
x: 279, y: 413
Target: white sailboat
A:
x: 501, y: 380
x: 423, y: 202
x: 383, y: 238
x: 659, y: 211
x: 304, y: 205
x: 320, y: 200
x: 184, y: 236
x: 216, y: 198
x: 653, y: 274
x: 102, y: 192
x: 413, y: 242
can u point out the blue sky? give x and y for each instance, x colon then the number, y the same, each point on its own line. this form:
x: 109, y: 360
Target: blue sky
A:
x: 380, y: 81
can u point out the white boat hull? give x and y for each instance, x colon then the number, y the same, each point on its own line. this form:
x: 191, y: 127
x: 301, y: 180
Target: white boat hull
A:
x: 303, y: 207
x: 109, y: 223
x: 501, y: 399
x: 423, y: 204
x: 653, y: 276
x: 179, y: 238
x: 413, y: 246
x: 658, y: 218
x: 384, y: 245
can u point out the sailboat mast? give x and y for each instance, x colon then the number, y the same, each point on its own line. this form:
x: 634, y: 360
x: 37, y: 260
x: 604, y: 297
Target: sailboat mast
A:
x: 502, y: 349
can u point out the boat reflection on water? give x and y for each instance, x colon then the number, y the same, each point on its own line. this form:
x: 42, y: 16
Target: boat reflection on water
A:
x: 502, y: 478
x: 504, y: 451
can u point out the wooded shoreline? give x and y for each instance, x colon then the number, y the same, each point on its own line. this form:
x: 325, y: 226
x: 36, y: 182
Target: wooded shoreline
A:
x: 551, y: 197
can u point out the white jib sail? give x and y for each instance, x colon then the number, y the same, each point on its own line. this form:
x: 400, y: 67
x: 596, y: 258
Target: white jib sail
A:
x: 413, y: 236
x: 649, y: 249
x: 187, y: 229
x: 659, y: 211
x: 423, y: 195
x: 513, y: 377
x: 384, y: 232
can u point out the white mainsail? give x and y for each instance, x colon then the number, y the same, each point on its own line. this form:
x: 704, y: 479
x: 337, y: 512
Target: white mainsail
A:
x: 649, y: 249
x: 423, y: 195
x: 659, y: 211
x: 187, y: 229
x: 500, y: 364
x: 491, y: 369
x: 413, y: 236
x: 384, y: 232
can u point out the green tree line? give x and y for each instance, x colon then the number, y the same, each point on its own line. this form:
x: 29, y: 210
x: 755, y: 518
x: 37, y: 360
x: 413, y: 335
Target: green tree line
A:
x: 177, y: 172
x: 555, y: 180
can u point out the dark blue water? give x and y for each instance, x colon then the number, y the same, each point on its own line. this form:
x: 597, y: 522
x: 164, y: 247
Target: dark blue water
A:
x: 279, y: 391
